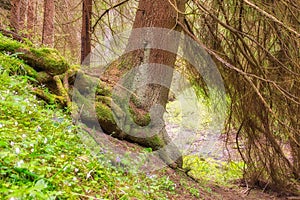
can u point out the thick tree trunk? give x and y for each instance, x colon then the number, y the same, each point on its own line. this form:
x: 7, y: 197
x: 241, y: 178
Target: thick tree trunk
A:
x: 159, y: 14
x: 142, y: 106
x: 86, y: 30
x: 48, y: 25
x: 142, y: 120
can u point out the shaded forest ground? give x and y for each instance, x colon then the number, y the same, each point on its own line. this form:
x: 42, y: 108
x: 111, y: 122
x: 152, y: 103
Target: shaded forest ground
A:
x: 189, y: 188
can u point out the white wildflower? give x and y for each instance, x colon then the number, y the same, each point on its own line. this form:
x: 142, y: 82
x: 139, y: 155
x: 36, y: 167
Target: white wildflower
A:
x: 1, y: 125
x: 17, y: 150
x: 23, y: 136
x: 76, y: 170
x: 20, y: 163
x: 16, y: 123
x: 32, y: 150
x: 38, y: 129
x: 45, y: 140
x: 12, y: 143
x: 74, y: 179
x: 89, y: 174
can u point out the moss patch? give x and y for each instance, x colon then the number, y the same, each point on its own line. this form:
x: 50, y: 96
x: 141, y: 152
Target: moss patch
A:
x: 50, y: 59
x: 9, y: 45
x: 104, y: 112
x: 41, y: 59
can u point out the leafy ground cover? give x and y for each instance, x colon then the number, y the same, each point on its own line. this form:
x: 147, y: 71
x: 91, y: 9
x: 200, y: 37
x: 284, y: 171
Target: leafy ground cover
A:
x: 43, y: 157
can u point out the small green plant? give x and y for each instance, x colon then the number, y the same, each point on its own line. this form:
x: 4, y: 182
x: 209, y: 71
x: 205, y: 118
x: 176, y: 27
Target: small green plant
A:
x: 209, y: 170
x: 195, y: 192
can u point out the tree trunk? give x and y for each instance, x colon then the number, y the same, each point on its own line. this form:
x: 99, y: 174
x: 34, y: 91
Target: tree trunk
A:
x: 116, y: 117
x: 23, y: 14
x: 48, y: 25
x: 72, y: 41
x: 31, y: 17
x: 15, y: 15
x: 86, y: 30
x: 142, y: 118
x: 160, y: 14
x: 5, y: 4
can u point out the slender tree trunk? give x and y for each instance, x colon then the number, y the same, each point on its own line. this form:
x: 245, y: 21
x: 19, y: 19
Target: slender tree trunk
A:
x: 70, y: 29
x: 48, y: 25
x: 23, y: 14
x: 15, y: 15
x: 31, y: 17
x: 86, y: 30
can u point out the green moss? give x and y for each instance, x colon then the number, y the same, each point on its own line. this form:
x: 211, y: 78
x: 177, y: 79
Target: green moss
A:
x: 9, y: 45
x: 52, y: 61
x: 156, y: 142
x: 43, y: 77
x: 104, y: 113
x: 44, y: 59
x: 104, y: 99
x: 44, y: 156
x: 103, y: 90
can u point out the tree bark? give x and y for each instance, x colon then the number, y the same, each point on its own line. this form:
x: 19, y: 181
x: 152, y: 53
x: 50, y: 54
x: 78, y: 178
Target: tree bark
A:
x: 31, y: 17
x: 15, y: 15
x: 147, y: 104
x: 86, y: 30
x: 48, y: 25
x: 5, y: 4
x: 23, y: 14
x: 160, y: 14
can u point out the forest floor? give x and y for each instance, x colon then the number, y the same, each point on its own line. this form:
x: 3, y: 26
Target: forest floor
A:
x: 43, y: 154
x: 188, y: 187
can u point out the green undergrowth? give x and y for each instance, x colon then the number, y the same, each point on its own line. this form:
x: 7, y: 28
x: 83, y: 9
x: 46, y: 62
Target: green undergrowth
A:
x: 211, y: 171
x: 43, y: 157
